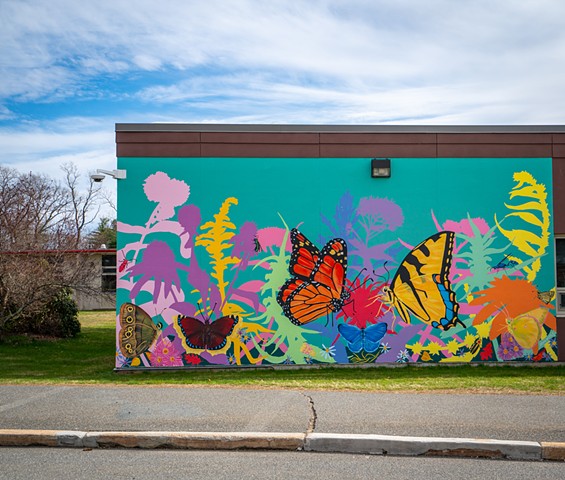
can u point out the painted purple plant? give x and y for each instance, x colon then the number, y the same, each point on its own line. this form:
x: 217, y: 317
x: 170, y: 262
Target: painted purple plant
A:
x: 158, y: 263
x: 344, y: 218
x: 190, y: 218
x: 244, y: 247
x: 244, y: 244
x: 377, y: 215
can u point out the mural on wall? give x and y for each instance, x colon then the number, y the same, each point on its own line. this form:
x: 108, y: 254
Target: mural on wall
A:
x: 366, y: 278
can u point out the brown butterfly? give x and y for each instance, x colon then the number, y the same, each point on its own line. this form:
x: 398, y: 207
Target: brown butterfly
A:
x: 207, y: 335
x: 138, y: 331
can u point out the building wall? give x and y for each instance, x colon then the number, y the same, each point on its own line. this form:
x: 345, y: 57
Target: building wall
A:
x: 95, y: 298
x: 273, y: 141
x: 306, y: 259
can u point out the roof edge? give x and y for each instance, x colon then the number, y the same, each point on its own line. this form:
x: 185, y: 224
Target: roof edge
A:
x: 303, y: 128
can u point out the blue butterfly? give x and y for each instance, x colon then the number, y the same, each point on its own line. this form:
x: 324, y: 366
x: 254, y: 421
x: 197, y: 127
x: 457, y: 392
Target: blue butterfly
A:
x: 367, y: 339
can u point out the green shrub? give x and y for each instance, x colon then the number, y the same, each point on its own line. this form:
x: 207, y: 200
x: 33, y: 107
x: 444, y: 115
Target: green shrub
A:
x: 56, y: 318
x: 60, y: 316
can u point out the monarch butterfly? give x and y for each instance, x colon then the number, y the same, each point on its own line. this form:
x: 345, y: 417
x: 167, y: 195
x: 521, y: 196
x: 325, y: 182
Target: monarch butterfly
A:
x: 138, y: 331
x: 207, y: 335
x: 367, y: 339
x: 317, y: 284
x: 421, y: 284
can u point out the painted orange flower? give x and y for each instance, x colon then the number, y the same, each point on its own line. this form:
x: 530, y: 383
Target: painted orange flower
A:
x: 512, y: 304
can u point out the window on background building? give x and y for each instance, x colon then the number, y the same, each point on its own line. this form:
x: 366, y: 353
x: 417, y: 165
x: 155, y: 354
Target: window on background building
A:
x: 108, y: 273
x: 560, y: 264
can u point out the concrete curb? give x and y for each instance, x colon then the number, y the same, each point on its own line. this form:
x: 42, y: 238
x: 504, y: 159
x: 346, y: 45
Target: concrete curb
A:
x: 313, y: 442
x: 416, y: 446
x: 174, y: 440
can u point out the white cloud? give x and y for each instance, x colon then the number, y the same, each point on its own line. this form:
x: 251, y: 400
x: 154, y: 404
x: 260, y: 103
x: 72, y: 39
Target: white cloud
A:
x: 378, y: 43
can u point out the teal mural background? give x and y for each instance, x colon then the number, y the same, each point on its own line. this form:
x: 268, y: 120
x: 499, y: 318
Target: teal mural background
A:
x: 310, y: 194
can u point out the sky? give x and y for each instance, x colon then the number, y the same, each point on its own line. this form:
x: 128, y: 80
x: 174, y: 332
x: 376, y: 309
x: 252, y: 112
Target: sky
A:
x: 70, y: 70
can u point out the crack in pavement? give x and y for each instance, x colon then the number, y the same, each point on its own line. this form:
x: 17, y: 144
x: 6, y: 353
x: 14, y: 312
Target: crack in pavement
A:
x: 313, y: 415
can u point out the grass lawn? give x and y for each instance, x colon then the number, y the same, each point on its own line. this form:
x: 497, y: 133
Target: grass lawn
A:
x: 89, y: 359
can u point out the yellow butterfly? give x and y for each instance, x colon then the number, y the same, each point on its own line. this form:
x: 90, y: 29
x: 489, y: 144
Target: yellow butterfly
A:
x: 527, y: 327
x: 421, y: 284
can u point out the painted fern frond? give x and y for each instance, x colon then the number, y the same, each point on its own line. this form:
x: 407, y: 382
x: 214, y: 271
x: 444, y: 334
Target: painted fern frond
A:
x: 479, y: 256
x: 215, y: 239
x: 532, y: 220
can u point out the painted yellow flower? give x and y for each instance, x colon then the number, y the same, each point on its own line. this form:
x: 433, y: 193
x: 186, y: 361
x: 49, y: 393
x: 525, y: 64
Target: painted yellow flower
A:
x: 434, y: 348
x: 452, y: 346
x: 483, y: 329
x: 416, y: 348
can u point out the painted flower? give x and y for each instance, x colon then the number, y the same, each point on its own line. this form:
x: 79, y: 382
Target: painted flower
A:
x: 403, y: 356
x: 452, y: 346
x: 288, y: 360
x: 434, y: 348
x: 158, y: 263
x: 364, y: 305
x: 426, y: 357
x: 167, y: 192
x: 486, y: 352
x: 379, y: 214
x: 509, y: 299
x: 244, y: 335
x: 328, y: 352
x: 165, y: 354
x: 416, y: 348
x: 384, y: 347
x: 122, y: 360
x: 307, y: 349
x: 191, y: 359
x: 509, y: 349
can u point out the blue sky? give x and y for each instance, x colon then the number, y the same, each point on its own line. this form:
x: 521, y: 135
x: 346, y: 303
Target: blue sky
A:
x: 70, y: 70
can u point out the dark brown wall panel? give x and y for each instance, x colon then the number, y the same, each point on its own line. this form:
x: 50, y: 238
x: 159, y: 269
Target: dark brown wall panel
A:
x: 561, y: 339
x: 378, y: 138
x: 559, y: 150
x: 158, y: 150
x: 495, y: 138
x: 559, y: 195
x: 377, y: 150
x: 258, y: 150
x: 158, y: 137
x: 257, y: 137
x: 493, y: 150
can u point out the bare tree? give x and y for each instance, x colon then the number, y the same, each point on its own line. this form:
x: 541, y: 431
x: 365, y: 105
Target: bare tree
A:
x: 41, y: 228
x: 82, y: 203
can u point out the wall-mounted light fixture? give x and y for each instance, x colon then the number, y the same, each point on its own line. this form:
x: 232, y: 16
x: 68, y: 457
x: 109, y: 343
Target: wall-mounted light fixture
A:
x: 380, y: 167
x: 115, y: 174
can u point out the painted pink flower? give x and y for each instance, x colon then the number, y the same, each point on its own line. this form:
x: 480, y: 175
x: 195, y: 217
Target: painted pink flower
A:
x: 167, y: 192
x: 464, y: 226
x: 165, y: 354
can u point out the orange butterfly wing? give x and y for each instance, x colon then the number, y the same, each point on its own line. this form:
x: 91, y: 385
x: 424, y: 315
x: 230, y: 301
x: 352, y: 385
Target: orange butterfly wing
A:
x: 317, y: 288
